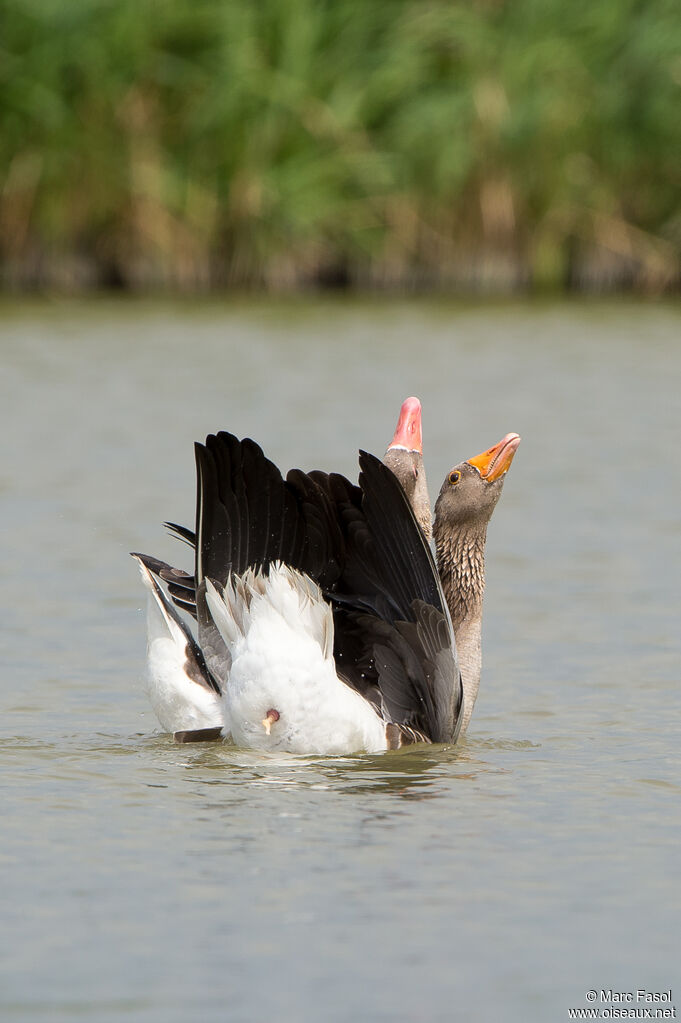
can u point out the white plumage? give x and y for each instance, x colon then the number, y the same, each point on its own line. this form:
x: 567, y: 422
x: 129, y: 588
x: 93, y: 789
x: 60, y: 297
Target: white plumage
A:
x: 279, y: 632
x: 178, y: 702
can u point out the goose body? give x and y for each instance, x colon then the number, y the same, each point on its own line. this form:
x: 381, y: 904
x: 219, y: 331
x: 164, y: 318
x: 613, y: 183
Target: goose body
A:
x: 183, y: 693
x: 319, y: 608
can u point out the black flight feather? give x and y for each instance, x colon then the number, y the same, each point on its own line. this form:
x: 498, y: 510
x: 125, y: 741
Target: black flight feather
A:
x: 187, y: 536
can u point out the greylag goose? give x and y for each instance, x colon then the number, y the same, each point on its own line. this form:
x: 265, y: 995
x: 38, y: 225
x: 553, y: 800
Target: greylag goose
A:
x: 320, y: 612
x: 182, y: 690
x: 463, y: 509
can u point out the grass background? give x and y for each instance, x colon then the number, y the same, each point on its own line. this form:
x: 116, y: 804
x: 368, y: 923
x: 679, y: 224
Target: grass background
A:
x: 491, y: 145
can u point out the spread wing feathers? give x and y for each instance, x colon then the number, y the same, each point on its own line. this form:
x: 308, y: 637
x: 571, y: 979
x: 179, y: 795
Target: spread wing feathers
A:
x: 319, y: 557
x: 215, y: 650
x: 187, y: 536
x: 168, y: 624
x: 361, y: 584
x: 402, y: 551
x: 361, y: 545
x: 431, y: 635
x: 387, y: 561
x: 416, y: 663
x: 408, y: 670
x: 248, y: 516
x: 394, y: 641
x: 180, y: 584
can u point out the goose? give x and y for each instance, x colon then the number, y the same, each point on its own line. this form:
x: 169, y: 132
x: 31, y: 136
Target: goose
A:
x: 464, y: 506
x: 183, y: 692
x: 320, y: 612
x: 463, y: 509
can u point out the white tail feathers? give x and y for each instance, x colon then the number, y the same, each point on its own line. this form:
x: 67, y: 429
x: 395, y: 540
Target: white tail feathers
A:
x: 289, y: 594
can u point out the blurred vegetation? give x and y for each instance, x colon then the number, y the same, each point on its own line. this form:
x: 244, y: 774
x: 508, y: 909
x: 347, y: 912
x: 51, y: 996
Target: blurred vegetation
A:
x: 485, y: 145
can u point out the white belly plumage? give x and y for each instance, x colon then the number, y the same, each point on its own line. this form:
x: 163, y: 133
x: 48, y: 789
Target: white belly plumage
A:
x: 279, y: 632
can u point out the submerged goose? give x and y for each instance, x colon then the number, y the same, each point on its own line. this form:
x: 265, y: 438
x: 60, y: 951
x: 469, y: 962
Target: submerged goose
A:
x: 321, y: 618
x: 183, y: 692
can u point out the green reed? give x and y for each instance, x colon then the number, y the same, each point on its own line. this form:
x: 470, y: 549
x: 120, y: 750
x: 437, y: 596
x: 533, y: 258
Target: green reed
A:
x: 195, y: 143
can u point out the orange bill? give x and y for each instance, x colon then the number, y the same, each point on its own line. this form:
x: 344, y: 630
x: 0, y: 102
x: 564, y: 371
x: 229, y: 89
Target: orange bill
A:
x: 494, y: 462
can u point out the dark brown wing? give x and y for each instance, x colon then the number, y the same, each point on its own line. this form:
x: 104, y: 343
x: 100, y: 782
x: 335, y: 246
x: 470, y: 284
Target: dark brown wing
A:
x: 181, y: 585
x: 393, y: 637
x: 248, y: 516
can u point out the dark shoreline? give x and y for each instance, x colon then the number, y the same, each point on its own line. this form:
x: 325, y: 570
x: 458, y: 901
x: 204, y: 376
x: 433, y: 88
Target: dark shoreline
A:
x: 592, y: 272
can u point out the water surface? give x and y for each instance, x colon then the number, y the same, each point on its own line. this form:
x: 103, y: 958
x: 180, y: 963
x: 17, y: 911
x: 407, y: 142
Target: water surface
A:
x: 501, y: 879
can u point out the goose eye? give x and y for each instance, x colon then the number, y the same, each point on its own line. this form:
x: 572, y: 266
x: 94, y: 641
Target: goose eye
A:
x: 454, y: 476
